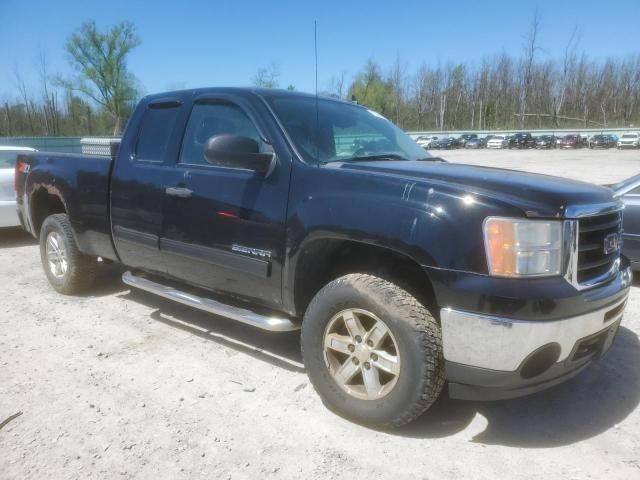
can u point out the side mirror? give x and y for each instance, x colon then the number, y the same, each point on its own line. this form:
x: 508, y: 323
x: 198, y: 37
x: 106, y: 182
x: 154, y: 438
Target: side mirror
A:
x: 236, y: 151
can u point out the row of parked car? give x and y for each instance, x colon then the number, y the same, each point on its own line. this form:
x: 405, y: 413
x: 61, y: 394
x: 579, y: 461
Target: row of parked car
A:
x: 526, y: 140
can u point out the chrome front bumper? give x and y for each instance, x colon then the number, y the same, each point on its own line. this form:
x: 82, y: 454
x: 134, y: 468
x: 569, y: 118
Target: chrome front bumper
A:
x: 504, y: 344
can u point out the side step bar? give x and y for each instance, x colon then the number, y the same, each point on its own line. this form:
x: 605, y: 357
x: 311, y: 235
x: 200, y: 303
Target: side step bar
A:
x: 273, y: 324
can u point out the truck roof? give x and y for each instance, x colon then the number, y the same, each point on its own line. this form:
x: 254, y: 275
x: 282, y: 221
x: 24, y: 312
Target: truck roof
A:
x: 246, y: 91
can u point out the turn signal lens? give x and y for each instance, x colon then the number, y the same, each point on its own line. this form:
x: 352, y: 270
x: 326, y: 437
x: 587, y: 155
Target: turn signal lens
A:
x: 521, y: 248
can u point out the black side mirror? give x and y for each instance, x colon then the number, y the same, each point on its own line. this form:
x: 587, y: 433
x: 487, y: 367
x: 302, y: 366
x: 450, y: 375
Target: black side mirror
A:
x: 236, y: 151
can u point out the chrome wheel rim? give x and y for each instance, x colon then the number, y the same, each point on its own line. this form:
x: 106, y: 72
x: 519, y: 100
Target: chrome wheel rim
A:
x: 361, y: 354
x: 56, y: 255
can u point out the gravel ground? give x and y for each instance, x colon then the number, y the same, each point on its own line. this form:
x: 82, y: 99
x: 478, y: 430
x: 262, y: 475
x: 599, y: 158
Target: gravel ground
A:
x: 121, y: 384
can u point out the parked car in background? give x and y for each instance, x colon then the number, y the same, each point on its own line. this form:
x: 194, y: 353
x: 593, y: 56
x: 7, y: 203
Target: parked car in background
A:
x: 423, y: 141
x: 601, y: 141
x: 476, y: 143
x: 629, y: 140
x: 629, y: 191
x: 448, y: 143
x: 588, y: 139
x: 434, y: 142
x: 465, y: 137
x: 546, y: 141
x: 498, y: 141
x: 427, y: 142
x: 571, y: 141
x: 522, y: 140
x: 8, y: 212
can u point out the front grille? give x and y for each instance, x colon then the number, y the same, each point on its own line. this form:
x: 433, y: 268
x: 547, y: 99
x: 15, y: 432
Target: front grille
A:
x: 593, y: 262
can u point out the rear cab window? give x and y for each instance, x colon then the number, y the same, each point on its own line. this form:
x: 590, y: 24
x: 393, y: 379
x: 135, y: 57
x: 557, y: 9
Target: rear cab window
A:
x: 154, y: 132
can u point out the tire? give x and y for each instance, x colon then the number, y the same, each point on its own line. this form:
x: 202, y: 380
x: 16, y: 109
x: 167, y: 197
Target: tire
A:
x: 412, y: 330
x: 79, y: 271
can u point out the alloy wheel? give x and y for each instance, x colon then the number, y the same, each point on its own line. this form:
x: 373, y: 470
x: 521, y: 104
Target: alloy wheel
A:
x: 56, y: 255
x: 361, y: 354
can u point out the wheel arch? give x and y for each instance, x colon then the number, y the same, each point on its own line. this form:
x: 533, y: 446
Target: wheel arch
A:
x: 321, y: 260
x: 44, y: 202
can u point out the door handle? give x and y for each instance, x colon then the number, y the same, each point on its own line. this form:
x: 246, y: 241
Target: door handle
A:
x: 178, y: 192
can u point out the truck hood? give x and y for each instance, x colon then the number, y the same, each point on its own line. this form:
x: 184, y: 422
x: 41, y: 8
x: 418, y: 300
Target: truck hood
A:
x: 536, y: 195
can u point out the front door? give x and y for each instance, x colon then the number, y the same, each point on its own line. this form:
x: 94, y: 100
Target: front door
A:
x: 224, y: 228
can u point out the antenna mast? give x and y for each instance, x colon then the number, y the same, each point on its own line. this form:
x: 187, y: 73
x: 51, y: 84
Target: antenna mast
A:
x: 315, y: 45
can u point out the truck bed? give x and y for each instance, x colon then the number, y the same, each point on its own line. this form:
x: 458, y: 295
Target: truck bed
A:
x: 80, y: 183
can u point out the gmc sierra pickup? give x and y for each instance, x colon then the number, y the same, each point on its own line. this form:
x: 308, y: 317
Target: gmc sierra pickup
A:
x: 284, y: 211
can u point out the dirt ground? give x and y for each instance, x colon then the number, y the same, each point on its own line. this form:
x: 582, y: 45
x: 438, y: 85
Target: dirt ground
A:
x: 122, y: 384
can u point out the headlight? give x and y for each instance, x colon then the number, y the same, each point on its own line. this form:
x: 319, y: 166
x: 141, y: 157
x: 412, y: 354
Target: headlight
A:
x: 523, y: 248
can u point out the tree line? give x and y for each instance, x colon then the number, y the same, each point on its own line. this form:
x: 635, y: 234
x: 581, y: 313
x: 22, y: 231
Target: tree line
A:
x: 97, y: 98
x: 504, y: 91
x: 576, y: 93
x: 498, y: 92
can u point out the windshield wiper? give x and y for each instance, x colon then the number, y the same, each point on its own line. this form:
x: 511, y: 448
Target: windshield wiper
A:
x: 382, y: 156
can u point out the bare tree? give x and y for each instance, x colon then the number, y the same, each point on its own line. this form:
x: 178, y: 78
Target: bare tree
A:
x: 49, y: 97
x: 530, y: 49
x: 267, y: 77
x: 25, y: 97
x: 337, y: 85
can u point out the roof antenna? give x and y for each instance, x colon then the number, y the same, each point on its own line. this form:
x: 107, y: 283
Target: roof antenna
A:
x: 315, y: 45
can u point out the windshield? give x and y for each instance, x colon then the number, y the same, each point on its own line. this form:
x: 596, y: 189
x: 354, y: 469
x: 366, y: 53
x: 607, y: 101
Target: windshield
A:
x: 630, y: 135
x: 341, y: 131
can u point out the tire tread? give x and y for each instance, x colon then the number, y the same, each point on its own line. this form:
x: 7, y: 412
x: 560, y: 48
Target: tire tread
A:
x: 82, y: 268
x: 423, y: 324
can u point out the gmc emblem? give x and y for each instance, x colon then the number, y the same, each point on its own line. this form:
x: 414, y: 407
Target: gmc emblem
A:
x: 611, y: 243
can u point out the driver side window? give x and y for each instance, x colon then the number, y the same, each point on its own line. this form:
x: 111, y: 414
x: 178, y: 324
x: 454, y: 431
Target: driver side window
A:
x: 208, y: 120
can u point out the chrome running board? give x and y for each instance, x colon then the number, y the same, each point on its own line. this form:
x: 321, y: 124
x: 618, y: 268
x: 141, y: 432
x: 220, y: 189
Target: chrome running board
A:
x: 273, y: 324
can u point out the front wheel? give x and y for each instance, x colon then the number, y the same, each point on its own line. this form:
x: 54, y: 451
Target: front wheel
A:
x: 68, y: 270
x: 372, y: 351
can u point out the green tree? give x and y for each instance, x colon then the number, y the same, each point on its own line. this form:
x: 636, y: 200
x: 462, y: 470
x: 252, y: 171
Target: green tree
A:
x: 99, y: 60
x: 370, y: 89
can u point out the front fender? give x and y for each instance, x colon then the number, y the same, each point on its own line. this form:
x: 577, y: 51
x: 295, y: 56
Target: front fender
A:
x: 435, y: 225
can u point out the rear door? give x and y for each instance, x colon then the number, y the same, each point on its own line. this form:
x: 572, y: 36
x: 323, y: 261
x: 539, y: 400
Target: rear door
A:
x: 137, y: 192
x: 224, y: 228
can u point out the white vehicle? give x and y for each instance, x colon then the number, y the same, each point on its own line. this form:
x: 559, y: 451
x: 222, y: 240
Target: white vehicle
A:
x: 426, y: 142
x: 8, y: 213
x: 498, y: 141
x: 629, y: 140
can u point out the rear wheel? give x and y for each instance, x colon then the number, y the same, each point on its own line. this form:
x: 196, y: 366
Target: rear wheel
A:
x: 68, y: 270
x: 372, y: 351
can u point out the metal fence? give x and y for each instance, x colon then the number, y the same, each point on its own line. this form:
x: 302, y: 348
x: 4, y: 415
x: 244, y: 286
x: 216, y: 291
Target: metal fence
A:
x: 558, y: 132
x: 59, y: 144
x: 100, y: 145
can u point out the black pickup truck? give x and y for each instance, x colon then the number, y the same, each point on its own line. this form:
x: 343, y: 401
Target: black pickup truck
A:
x: 522, y: 140
x: 285, y: 211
